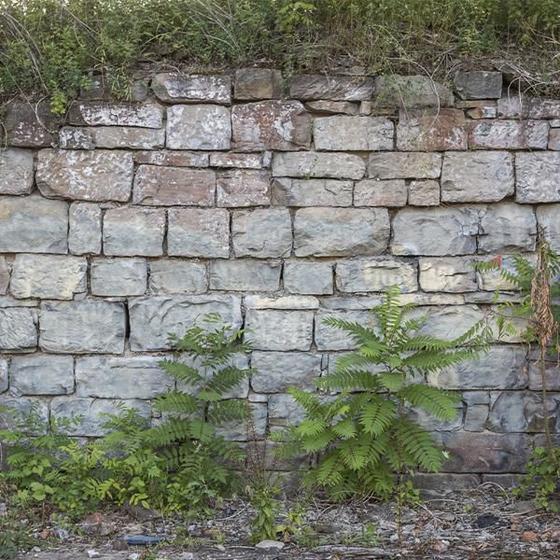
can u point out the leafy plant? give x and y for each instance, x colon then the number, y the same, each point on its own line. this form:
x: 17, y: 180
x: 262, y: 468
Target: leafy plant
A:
x: 264, y: 500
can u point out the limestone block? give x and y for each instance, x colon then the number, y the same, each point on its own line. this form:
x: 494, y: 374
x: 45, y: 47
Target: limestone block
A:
x: 5, y: 272
x: 332, y: 338
x: 353, y: 133
x: 118, y: 277
x: 84, y: 235
x: 311, y: 192
x: 3, y: 375
x: 145, y: 115
x: 306, y: 277
x: 409, y: 92
x: 174, y: 276
x: 257, y: 83
x: 509, y: 135
x: 42, y: 374
x: 375, y: 275
x: 245, y: 275
x: 179, y: 88
x: 317, y: 164
x: 373, y: 192
x: 424, y: 193
x: 537, y: 177
x: 233, y: 160
x: 448, y: 274
x: 548, y: 218
x: 334, y: 88
x: 413, y: 165
x: 324, y: 106
x: 478, y: 84
x: 29, y: 125
x: 172, y: 158
x: 16, y: 171
x: 111, y: 137
x: 198, y: 127
x: 241, y: 187
x: 19, y: 329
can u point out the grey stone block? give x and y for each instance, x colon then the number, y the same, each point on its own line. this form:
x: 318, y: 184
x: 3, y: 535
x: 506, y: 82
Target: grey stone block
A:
x: 84, y: 235
x: 245, y: 275
x: 311, y: 192
x: 19, y: 329
x: 175, y: 276
x: 16, y: 171
x: 375, y: 275
x: 353, y: 133
x: 118, y: 277
x: 478, y: 84
x: 198, y: 127
x: 42, y: 374
x: 307, y: 277
x: 175, y: 87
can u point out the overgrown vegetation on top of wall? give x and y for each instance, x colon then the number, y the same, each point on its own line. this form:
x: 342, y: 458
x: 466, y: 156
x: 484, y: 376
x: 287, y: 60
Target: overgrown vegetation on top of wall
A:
x: 49, y: 47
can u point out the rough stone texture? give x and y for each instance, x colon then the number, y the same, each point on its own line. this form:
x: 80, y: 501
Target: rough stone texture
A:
x: 424, y: 193
x: 16, y: 171
x: 30, y: 125
x: 335, y: 88
x: 304, y: 277
x: 353, y: 133
x: 275, y: 372
x: 448, y: 274
x: 314, y: 164
x: 3, y: 375
x: 262, y: 233
x: 82, y: 327
x: 477, y: 177
x: 174, y: 186
x: 241, y: 187
x: 48, y: 276
x: 509, y: 135
x: 118, y: 277
x: 172, y: 158
x: 333, y: 107
x: 333, y: 232
x: 178, y: 88
x: 111, y: 137
x: 19, y: 329
x: 84, y: 235
x: 33, y: 225
x: 311, y: 192
x: 375, y: 275
x: 198, y: 232
x: 408, y: 92
x: 519, y: 412
x: 478, y: 84
x: 548, y: 217
x: 42, y: 374
x: 85, y: 175
x: 170, y: 276
x: 241, y: 161
x: 147, y: 115
x: 130, y: 231
x: 271, y: 125
x: 373, y: 192
x: 245, y: 275
x: 198, y: 127
x: 404, y: 166
x: 5, y: 271
x: 517, y: 106
x: 257, y: 83
x: 538, y: 177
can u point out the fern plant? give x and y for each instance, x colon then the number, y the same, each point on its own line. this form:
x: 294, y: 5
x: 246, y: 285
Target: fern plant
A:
x: 364, y: 437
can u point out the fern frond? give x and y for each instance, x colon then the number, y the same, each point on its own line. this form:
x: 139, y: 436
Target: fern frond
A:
x: 377, y: 416
x: 438, y: 403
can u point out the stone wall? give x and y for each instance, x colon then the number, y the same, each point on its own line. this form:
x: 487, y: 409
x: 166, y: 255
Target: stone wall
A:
x: 275, y: 203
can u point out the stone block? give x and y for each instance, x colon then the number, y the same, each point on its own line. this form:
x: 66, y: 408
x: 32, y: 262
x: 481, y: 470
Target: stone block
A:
x: 375, y: 275
x: 154, y: 318
x: 85, y: 175
x: 144, y: 115
x: 245, y: 275
x: 328, y: 337
x: 477, y: 177
x: 130, y: 231
x: 517, y: 106
x: 18, y: 410
x: 241, y: 431
x: 326, y: 232
x: 478, y: 84
x: 262, y: 233
x: 16, y: 171
x: 551, y: 372
x: 275, y: 372
x: 118, y: 277
x: 273, y: 329
x: 19, y: 329
x: 271, y: 125
x: 537, y: 177
x: 174, y: 186
x: 491, y: 280
x: 48, y: 276
x: 448, y: 322
x: 520, y: 411
x: 241, y: 187
x: 179, y: 88
x: 548, y: 217
x: 3, y: 375
x: 173, y: 276
x: 424, y: 193
x: 509, y: 135
x: 409, y: 92
x: 197, y: 232
x: 42, y: 374
x: 84, y: 235
x: 82, y: 327
x: 284, y: 411
x: 5, y: 272
x: 324, y: 106
x: 111, y: 137
x: 306, y: 277
x: 257, y: 83
x: 554, y: 139
x: 30, y: 125
x: 311, y: 192
x: 33, y: 224
x: 476, y: 418
x: 373, y: 192
x: 343, y: 133
x: 172, y: 158
x: 413, y: 165
x: 198, y: 127
x: 448, y: 274
x: 240, y: 161
x: 316, y: 164
x: 334, y: 88
x: 280, y: 302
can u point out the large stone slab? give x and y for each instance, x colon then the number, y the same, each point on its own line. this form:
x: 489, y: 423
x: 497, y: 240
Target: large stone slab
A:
x: 257, y: 83
x: 84, y: 235
x: 271, y: 125
x: 30, y: 125
x: 173, y: 186
x: 538, y: 177
x: 178, y: 88
x: 111, y: 137
x: 130, y: 231
x: 48, y: 276
x: 198, y: 127
x: 154, y: 318
x: 307, y: 277
x: 95, y: 113
x: 19, y: 329
x: 245, y: 275
x: 174, y: 276
x: 375, y: 275
x: 16, y: 171
x: 42, y: 374
x: 353, y: 133
x: 478, y: 84
x: 477, y: 177
x: 316, y: 164
x: 413, y: 165
x: 548, y: 217
x: 521, y: 411
x: 448, y: 274
x: 33, y: 225
x: 336, y: 88
x: 326, y: 232
x: 85, y: 175
x: 82, y: 327
x: 509, y: 135
x: 311, y: 192
x: 243, y: 187
x: 373, y: 192
x: 262, y: 233
x: 197, y: 232
x: 409, y: 92
x: 118, y: 277
x: 136, y: 377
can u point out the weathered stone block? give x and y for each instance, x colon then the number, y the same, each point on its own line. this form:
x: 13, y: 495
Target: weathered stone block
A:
x: 373, y: 192
x: 178, y: 88
x: 311, y: 192
x: 262, y: 233
x: 449, y: 322
x: 33, y: 225
x: 146, y: 115
x: 171, y: 186
x: 538, y: 177
x: 491, y: 280
x: 30, y: 125
x: 242, y: 187
x: 172, y: 158
x: 478, y: 84
x: 84, y: 235
x: 528, y: 107
x: 48, y: 276
x: 448, y: 274
x: 520, y: 411
x: 245, y: 275
x: 241, y: 161
x: 509, y: 135
x: 316, y: 164
x: 16, y: 171
x: 82, y: 327
x: 507, y: 227
x: 284, y: 411
x: 272, y: 329
x: 476, y: 417
x: 118, y: 277
x: 5, y: 272
x: 477, y: 177
x: 275, y: 372
x: 121, y: 378
x: 335, y: 88
x: 375, y: 275
x: 305, y: 277
x: 198, y: 127
x: 271, y: 125
x: 435, y: 231
x: 424, y: 193
x: 353, y: 133
x: 404, y: 166
x: 85, y: 175
x: 3, y: 375
x: 257, y: 83
x: 548, y: 218
x: 554, y: 139
x: 129, y: 231
x: 42, y: 374
x: 19, y: 329
x: 408, y: 92
x: 444, y: 130
x: 197, y: 232
x: 173, y: 276
x: 111, y: 137
x: 325, y: 232
x: 331, y: 338
x: 17, y: 411
x: 333, y: 107
x: 241, y: 431
x: 280, y: 302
